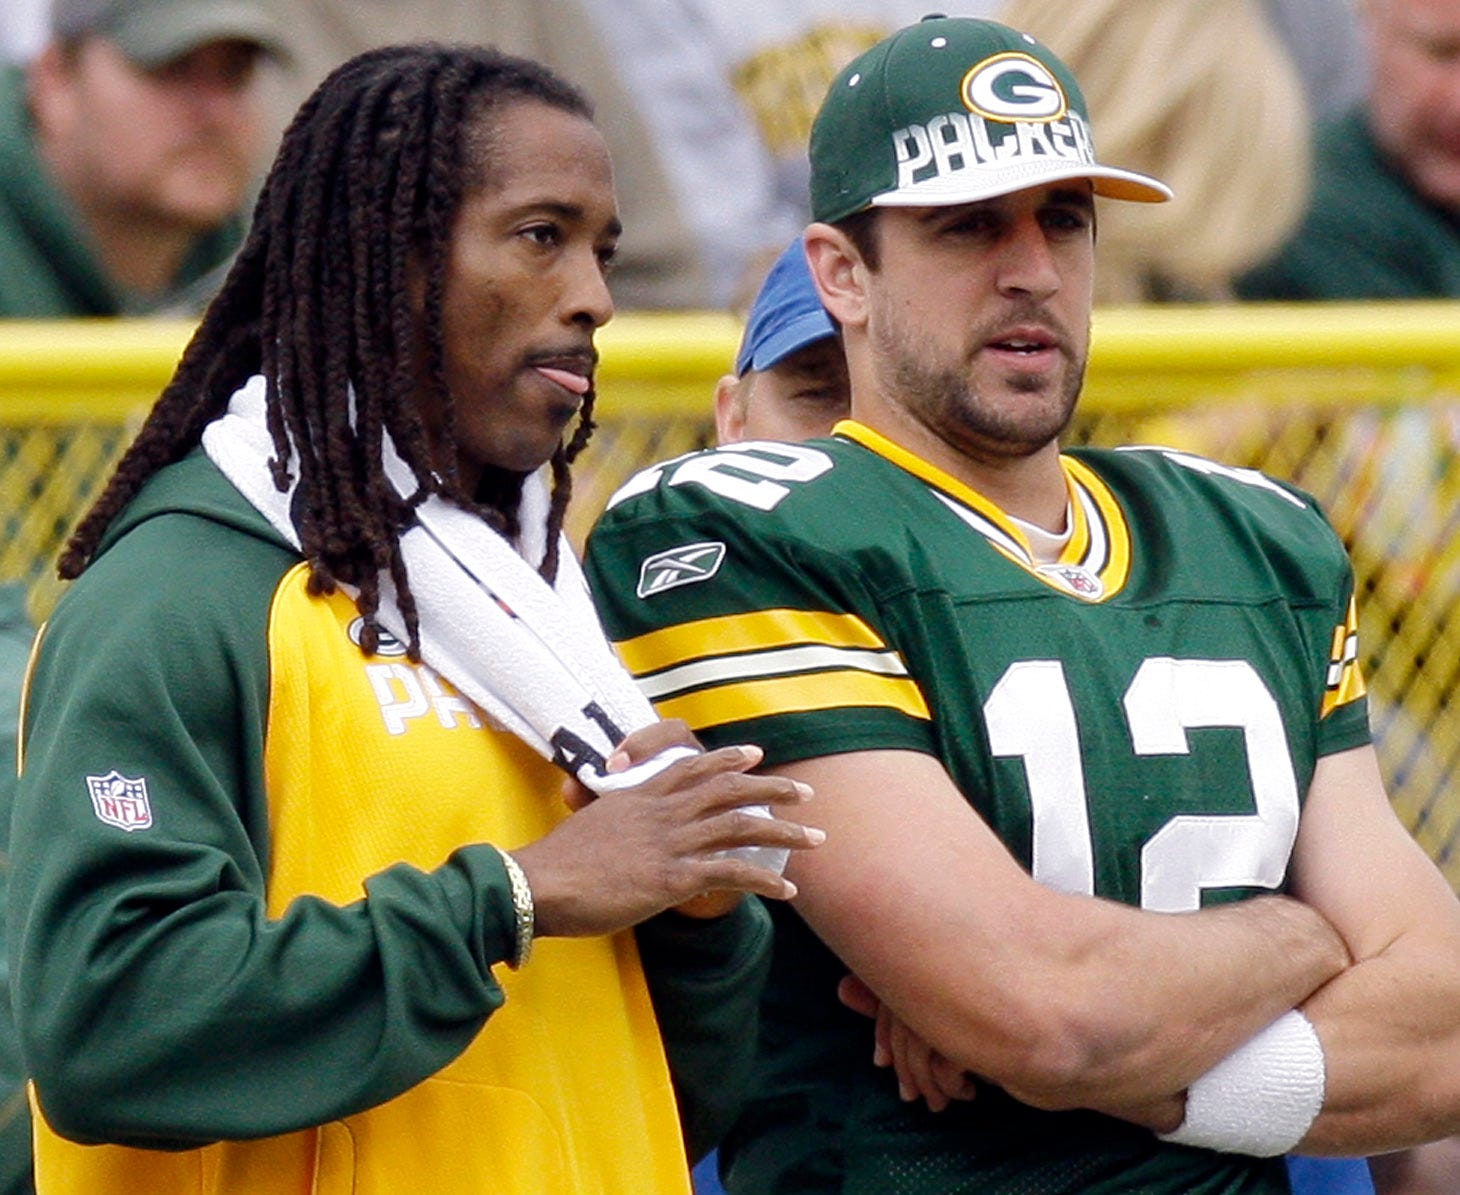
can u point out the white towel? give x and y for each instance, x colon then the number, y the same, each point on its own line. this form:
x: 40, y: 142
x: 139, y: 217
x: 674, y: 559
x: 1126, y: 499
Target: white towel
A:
x: 532, y: 656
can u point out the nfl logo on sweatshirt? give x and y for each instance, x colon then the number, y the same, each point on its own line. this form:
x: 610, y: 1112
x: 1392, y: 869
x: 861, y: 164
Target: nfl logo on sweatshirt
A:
x: 120, y: 801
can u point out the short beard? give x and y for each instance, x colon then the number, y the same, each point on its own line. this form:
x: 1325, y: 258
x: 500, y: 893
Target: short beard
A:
x: 943, y: 400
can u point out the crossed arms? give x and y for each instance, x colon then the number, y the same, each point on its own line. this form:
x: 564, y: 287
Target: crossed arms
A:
x: 1073, y: 1001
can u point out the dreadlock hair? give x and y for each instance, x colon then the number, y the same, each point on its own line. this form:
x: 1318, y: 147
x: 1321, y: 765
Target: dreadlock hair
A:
x: 365, y: 189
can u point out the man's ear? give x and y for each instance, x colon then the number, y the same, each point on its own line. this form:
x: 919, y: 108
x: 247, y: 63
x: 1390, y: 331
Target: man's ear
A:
x: 839, y: 272
x: 49, y: 93
x: 729, y: 410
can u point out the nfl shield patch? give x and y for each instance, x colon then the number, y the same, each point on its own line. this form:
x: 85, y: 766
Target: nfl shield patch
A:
x: 120, y: 801
x: 1077, y: 579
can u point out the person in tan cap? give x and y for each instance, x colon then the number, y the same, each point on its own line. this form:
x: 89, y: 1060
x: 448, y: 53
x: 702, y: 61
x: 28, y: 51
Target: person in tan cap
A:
x: 127, y: 149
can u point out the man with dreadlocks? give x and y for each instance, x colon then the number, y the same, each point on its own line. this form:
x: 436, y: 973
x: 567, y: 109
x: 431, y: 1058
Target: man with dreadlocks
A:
x: 283, y: 841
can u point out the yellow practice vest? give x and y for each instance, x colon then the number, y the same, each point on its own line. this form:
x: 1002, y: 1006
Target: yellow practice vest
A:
x: 373, y: 762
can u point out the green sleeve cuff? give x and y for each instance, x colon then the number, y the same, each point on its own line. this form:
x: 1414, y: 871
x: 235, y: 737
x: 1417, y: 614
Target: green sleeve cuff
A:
x: 706, y: 977
x: 710, y: 946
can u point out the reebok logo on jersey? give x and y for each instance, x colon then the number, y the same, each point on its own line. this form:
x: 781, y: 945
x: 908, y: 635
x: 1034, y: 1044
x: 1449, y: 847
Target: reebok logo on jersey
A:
x: 680, y: 566
x: 120, y: 801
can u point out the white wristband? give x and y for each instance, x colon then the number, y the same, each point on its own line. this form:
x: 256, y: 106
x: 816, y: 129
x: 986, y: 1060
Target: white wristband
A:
x: 1262, y: 1098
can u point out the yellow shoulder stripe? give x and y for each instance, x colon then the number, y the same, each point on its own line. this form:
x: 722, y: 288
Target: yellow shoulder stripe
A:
x: 1345, y: 679
x: 795, y: 694
x: 757, y: 630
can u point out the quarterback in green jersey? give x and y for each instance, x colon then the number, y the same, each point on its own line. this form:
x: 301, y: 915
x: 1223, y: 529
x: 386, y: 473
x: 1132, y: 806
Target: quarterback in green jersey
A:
x: 1088, y: 729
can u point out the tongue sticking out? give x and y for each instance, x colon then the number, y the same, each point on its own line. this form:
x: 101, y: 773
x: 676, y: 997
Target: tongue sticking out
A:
x: 575, y: 382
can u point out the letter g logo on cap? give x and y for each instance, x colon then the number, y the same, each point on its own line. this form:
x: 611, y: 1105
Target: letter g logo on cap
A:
x: 1013, y: 86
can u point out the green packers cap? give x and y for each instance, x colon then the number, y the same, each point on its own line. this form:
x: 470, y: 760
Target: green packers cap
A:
x: 952, y: 110
x: 152, y: 33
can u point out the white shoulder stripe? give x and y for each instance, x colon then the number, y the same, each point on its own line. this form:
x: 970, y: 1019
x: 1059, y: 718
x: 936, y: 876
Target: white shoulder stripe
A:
x: 763, y: 665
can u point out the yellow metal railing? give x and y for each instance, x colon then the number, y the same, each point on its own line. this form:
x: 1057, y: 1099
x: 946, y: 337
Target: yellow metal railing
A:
x: 1358, y: 404
x: 1145, y: 357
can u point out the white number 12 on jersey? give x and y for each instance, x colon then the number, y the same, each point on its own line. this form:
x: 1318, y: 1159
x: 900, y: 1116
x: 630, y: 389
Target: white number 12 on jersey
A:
x: 1030, y: 715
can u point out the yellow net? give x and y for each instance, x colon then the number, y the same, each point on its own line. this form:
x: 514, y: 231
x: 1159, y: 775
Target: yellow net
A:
x: 1358, y: 404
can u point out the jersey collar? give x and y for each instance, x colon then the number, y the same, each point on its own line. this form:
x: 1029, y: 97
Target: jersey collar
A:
x: 1095, y: 563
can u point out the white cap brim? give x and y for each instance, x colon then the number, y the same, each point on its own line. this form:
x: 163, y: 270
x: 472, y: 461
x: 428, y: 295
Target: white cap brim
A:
x: 992, y: 179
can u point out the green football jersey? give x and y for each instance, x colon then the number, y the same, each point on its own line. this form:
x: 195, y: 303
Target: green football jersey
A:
x: 1138, y: 719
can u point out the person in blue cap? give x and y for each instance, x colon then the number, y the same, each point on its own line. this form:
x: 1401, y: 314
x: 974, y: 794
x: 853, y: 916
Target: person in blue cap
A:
x: 790, y: 379
x: 790, y: 383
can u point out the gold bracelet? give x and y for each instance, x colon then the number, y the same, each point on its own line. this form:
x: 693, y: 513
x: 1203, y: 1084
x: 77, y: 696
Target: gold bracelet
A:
x: 521, y: 908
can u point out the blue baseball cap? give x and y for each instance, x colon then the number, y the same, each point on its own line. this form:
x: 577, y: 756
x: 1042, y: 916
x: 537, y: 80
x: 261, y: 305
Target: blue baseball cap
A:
x: 787, y: 314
